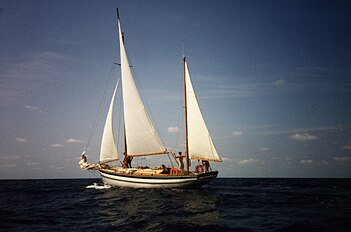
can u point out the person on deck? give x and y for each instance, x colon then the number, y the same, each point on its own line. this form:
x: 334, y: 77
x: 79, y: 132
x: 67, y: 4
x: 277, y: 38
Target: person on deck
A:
x: 164, y: 171
x: 83, y: 161
x: 130, y: 161
x: 127, y: 163
x: 181, y: 163
x: 206, y: 165
x: 83, y: 158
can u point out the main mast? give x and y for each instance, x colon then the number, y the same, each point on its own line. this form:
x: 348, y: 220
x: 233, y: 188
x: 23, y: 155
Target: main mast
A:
x: 186, y: 120
x: 124, y: 131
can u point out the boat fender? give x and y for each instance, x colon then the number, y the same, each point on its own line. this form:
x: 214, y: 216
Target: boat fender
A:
x: 199, y: 169
x: 173, y: 171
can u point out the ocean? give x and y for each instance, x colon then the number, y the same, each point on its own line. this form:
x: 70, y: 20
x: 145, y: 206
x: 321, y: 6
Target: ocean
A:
x: 226, y: 204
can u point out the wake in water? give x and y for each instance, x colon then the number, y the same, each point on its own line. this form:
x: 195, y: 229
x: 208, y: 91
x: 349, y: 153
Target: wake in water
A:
x: 99, y: 186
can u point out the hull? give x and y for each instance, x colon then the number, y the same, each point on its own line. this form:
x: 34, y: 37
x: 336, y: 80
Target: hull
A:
x: 156, y: 181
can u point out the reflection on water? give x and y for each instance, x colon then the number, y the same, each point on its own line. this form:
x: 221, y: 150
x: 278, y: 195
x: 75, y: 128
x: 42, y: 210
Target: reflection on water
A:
x: 154, y: 208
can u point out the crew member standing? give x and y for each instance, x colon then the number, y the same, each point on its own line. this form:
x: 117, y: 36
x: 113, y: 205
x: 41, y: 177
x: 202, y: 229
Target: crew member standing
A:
x: 181, y: 163
x: 206, y: 165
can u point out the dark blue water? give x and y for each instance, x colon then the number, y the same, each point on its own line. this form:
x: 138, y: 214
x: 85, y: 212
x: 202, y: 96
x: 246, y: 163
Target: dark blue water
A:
x: 224, y: 205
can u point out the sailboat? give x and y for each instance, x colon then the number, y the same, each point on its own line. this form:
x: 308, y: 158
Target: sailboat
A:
x: 141, y: 139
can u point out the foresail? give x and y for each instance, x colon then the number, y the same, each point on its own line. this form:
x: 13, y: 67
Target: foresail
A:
x: 141, y: 136
x: 200, y: 142
x: 108, y: 151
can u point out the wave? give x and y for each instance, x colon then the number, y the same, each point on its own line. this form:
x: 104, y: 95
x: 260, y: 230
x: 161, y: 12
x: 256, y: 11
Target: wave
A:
x: 98, y: 186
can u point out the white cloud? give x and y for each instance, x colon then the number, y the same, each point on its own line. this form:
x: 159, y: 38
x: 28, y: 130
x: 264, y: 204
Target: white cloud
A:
x: 237, y: 133
x: 303, y: 137
x: 8, y: 165
x: 34, y: 108
x: 71, y: 140
x: 264, y: 149
x: 309, y: 161
x: 56, y: 145
x: 172, y: 129
x: 343, y: 158
x: 226, y: 159
x: 33, y: 164
x: 306, y: 161
x: 56, y: 167
x: 299, y: 130
x: 250, y: 161
x: 346, y: 147
x: 21, y: 140
x: 10, y: 157
x: 49, y: 55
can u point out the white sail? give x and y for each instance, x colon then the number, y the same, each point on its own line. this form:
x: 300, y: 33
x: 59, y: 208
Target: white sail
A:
x: 141, y: 136
x: 108, y: 151
x: 200, y: 142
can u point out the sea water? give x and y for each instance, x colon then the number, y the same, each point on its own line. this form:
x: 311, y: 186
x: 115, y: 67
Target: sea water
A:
x: 226, y: 204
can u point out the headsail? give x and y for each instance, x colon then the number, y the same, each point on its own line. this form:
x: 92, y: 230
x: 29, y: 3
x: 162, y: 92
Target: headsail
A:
x: 108, y: 151
x: 141, y: 136
x: 200, y: 142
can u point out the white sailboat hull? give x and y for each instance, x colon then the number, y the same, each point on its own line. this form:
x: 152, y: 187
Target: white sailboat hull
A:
x: 138, y: 181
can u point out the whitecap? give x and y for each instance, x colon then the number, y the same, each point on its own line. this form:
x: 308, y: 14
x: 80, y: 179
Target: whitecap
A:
x: 98, y: 186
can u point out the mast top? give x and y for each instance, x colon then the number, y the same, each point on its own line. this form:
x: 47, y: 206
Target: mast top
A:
x: 117, y: 13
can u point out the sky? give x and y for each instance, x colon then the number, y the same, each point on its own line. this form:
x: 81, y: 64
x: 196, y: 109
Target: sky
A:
x: 273, y: 80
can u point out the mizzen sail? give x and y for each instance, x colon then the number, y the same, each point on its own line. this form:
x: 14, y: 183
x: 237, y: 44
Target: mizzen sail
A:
x: 108, y: 151
x: 200, y: 142
x: 141, y: 136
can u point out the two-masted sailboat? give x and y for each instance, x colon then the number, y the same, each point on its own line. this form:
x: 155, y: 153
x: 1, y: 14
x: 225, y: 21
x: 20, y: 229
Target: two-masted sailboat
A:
x: 141, y: 139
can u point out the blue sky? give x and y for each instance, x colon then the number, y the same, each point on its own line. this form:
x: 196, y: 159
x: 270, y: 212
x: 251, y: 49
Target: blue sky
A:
x: 273, y: 80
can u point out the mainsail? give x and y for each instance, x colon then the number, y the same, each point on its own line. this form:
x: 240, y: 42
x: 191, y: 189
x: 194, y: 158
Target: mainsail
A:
x: 141, y: 136
x: 108, y: 151
x: 200, y: 142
